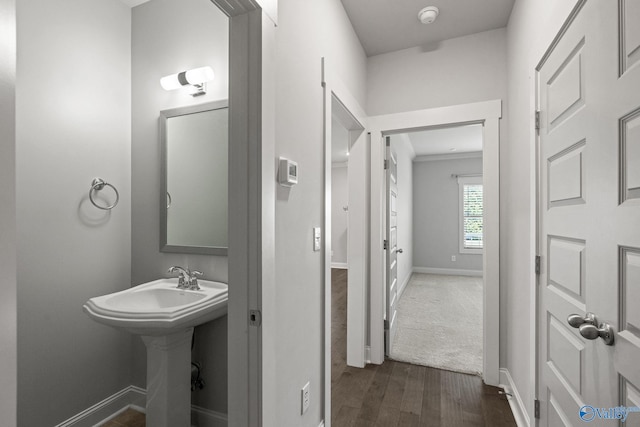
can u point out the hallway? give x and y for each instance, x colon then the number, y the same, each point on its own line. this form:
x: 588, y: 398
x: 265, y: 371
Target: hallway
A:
x: 400, y: 394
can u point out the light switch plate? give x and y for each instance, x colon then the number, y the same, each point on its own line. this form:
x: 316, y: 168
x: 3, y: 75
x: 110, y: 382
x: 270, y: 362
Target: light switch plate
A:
x: 317, y: 238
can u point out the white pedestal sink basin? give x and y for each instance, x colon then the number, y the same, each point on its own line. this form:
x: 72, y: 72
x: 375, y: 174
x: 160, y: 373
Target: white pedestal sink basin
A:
x: 165, y: 317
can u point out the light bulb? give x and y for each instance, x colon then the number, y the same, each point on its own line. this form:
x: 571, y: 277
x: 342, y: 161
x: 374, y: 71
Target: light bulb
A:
x: 199, y: 75
x: 170, y: 82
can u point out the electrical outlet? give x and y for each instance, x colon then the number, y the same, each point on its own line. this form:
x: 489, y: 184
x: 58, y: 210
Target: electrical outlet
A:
x: 305, y: 398
x: 453, y: 258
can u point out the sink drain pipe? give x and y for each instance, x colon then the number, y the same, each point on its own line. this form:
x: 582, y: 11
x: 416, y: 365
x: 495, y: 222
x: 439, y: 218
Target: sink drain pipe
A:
x: 197, y: 383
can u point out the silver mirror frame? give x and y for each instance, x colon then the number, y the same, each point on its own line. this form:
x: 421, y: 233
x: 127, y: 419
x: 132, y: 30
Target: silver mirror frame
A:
x: 164, y: 116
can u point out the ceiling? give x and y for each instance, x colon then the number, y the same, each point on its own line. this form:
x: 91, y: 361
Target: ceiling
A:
x: 133, y: 3
x: 451, y: 140
x: 389, y: 25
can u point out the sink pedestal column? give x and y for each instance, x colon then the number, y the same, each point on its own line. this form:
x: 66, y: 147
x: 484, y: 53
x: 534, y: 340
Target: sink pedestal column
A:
x: 168, y: 379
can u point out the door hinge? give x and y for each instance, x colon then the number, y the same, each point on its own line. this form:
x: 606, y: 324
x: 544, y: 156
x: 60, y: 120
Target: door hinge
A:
x: 386, y: 164
x: 537, y: 264
x: 536, y: 409
x: 385, y: 244
x: 255, y: 317
x: 538, y: 121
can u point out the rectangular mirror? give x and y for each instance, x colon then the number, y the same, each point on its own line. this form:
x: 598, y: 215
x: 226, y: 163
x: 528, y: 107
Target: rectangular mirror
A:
x: 194, y: 145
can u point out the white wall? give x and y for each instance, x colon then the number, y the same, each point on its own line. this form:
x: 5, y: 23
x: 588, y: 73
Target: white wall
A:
x: 169, y: 36
x: 532, y: 27
x: 299, y: 328
x: 339, y: 217
x: 8, y: 262
x: 73, y: 123
x: 456, y: 71
x: 404, y: 156
x: 436, y: 213
x: 340, y: 141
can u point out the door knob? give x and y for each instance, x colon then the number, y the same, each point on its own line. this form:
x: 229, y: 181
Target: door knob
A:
x: 590, y: 332
x: 575, y: 320
x: 399, y: 251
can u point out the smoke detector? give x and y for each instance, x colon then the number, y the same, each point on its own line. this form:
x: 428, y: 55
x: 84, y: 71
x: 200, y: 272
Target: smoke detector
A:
x: 428, y: 14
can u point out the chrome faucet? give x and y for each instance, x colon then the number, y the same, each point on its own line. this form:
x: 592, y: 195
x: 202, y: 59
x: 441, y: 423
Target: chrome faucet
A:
x: 184, y: 276
x: 187, y: 279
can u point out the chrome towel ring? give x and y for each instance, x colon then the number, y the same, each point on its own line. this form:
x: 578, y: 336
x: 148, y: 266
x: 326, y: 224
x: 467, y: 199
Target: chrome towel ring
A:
x: 98, y: 184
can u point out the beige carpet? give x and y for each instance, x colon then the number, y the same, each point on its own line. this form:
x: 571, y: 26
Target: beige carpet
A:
x: 440, y: 323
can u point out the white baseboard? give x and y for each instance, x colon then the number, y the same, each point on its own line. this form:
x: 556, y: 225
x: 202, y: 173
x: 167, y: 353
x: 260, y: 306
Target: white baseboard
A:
x: 202, y: 417
x: 448, y: 271
x: 108, y: 408
x: 135, y: 397
x: 367, y: 354
x: 515, y: 401
x: 403, y: 286
x: 341, y: 265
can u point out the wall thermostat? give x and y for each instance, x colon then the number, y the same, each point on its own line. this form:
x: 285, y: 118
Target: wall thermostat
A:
x: 288, y: 172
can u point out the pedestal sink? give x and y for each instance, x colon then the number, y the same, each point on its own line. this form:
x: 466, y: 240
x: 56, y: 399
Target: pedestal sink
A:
x: 164, y: 316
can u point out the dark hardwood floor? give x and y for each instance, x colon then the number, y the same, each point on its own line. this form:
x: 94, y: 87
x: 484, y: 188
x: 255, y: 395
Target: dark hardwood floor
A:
x: 128, y: 418
x: 401, y: 394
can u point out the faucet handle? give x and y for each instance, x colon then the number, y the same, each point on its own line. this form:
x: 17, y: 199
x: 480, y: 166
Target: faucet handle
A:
x: 193, y: 280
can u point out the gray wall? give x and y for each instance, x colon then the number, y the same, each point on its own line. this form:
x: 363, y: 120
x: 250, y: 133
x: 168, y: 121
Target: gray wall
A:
x: 436, y: 213
x: 456, y: 71
x: 339, y: 218
x: 405, y: 155
x: 73, y: 124
x: 8, y: 251
x: 532, y: 27
x: 169, y: 36
x: 299, y: 328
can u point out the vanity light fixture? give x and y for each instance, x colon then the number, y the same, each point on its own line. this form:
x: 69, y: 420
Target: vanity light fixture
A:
x: 195, y: 79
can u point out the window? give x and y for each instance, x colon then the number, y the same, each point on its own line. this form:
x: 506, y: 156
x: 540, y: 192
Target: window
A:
x: 470, y: 190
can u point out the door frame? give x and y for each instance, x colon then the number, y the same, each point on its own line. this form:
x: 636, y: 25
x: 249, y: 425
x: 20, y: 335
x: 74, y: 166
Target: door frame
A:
x: 358, y: 240
x: 489, y: 114
x: 8, y: 243
x: 251, y: 351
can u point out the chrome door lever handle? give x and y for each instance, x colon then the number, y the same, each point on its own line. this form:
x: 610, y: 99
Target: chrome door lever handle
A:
x: 399, y: 251
x: 591, y: 332
x: 575, y: 320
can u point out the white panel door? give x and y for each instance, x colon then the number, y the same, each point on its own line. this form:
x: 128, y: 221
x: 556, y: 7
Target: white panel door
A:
x: 589, y: 97
x: 391, y: 246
